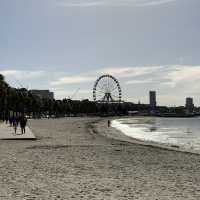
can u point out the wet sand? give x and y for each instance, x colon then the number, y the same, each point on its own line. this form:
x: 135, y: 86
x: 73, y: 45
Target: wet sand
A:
x: 77, y: 158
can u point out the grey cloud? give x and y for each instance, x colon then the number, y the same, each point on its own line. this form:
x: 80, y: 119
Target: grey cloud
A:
x: 95, y: 3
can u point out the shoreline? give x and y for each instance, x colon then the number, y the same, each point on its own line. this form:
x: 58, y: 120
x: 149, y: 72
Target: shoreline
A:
x: 114, y: 133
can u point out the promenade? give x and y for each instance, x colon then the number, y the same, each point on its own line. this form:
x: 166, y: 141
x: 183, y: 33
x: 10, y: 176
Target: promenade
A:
x: 7, y: 133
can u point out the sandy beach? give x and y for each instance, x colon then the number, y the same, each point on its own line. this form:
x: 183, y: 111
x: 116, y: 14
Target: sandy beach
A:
x: 80, y: 158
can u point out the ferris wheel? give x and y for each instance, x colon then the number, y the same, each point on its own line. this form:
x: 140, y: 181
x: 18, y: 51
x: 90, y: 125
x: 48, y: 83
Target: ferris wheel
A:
x: 107, y: 90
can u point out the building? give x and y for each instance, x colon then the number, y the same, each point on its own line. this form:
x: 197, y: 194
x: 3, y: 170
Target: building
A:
x: 43, y: 94
x: 152, y: 99
x: 189, y: 105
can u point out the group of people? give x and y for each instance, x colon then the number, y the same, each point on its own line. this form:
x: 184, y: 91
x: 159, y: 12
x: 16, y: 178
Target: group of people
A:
x: 18, y: 120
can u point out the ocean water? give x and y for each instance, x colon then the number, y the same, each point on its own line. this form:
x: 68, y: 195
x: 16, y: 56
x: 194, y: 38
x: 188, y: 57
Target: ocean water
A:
x: 182, y: 132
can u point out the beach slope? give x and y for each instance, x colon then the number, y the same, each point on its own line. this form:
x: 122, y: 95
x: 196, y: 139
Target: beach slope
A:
x: 72, y: 160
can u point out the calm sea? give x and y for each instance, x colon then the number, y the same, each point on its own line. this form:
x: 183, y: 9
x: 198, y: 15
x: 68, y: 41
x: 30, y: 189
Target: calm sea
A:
x: 182, y: 132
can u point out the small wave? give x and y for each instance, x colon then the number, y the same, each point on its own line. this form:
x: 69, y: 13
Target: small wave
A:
x: 172, y: 132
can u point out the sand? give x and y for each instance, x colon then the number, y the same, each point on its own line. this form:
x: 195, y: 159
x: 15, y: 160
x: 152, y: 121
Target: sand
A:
x: 76, y: 158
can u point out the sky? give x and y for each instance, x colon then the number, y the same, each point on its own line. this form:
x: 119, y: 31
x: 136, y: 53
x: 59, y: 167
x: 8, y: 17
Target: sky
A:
x: 65, y: 45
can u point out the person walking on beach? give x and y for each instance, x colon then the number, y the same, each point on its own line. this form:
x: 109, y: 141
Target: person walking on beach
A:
x: 6, y: 119
x: 108, y: 123
x: 23, y: 122
x: 17, y: 120
x: 11, y: 121
x: 15, y: 124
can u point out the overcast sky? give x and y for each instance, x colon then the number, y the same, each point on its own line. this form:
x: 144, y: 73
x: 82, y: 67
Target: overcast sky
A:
x: 63, y: 45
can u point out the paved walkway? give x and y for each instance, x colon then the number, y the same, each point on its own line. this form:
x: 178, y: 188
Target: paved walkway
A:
x: 7, y: 132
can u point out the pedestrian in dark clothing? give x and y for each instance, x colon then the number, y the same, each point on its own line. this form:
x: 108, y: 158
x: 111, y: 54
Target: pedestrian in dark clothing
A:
x: 15, y: 124
x: 6, y: 119
x: 108, y: 123
x: 23, y: 122
x: 17, y: 120
x: 11, y: 121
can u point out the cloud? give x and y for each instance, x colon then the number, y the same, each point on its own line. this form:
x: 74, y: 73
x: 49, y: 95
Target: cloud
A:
x: 72, y: 80
x: 97, y: 3
x: 61, y: 93
x: 8, y: 72
x: 138, y: 81
x: 22, y: 78
x: 170, y: 76
x: 155, y: 2
x: 119, y: 72
x: 83, y: 4
x: 124, y: 72
x: 184, y: 73
x: 19, y: 74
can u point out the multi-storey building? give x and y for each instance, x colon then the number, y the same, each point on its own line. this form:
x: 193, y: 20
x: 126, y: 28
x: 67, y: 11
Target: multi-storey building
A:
x: 152, y: 99
x: 43, y: 94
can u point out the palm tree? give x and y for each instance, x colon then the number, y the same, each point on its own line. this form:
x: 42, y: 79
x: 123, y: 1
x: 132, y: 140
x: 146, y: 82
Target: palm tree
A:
x: 3, y: 96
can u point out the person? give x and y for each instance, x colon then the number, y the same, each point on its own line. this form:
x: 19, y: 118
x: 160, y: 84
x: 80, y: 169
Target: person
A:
x: 11, y: 121
x: 6, y: 119
x: 108, y: 123
x: 23, y: 122
x: 15, y: 124
x: 17, y: 120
